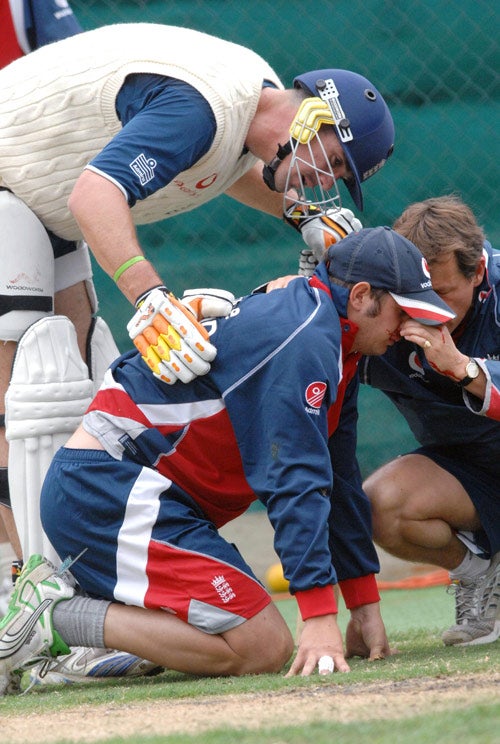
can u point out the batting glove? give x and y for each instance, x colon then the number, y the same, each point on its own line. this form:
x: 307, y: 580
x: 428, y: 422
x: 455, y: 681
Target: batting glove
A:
x: 208, y: 302
x: 171, y: 341
x: 307, y: 262
x: 320, y: 229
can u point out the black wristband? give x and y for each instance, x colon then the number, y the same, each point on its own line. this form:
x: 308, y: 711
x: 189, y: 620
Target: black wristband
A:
x: 293, y: 223
x: 139, y: 301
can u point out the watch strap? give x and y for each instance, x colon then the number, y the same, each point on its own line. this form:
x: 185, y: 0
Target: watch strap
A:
x: 467, y: 379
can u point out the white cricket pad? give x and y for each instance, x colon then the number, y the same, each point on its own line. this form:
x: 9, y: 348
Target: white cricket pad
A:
x: 48, y: 394
x: 101, y: 351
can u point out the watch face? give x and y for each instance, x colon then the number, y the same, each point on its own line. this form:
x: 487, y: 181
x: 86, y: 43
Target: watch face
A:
x: 472, y: 370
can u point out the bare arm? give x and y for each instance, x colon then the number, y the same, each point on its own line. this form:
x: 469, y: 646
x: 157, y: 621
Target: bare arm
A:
x: 251, y: 190
x: 105, y: 219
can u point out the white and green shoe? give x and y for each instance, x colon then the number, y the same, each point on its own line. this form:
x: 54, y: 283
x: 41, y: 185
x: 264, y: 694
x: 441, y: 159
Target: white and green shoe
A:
x: 26, y: 631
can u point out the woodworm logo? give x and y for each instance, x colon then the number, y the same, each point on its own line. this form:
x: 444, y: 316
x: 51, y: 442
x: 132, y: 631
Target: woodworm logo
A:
x: 315, y: 392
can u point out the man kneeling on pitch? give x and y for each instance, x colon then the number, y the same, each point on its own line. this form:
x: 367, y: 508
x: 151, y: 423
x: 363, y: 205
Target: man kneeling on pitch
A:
x: 154, y: 470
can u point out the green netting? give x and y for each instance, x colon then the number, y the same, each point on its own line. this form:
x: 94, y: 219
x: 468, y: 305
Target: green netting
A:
x: 437, y: 64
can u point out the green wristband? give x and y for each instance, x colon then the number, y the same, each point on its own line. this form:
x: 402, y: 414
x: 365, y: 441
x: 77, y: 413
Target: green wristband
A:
x: 126, y: 265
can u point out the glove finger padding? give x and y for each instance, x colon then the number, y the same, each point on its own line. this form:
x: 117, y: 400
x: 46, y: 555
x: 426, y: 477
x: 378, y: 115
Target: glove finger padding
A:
x: 208, y: 302
x: 171, y: 341
x: 307, y: 262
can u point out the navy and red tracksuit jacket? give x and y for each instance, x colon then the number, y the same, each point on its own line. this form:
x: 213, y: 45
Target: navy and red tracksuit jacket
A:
x: 274, y: 420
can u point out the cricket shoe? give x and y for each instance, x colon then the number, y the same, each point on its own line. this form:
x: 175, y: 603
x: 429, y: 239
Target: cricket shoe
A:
x: 26, y: 631
x: 91, y: 665
x: 477, y: 609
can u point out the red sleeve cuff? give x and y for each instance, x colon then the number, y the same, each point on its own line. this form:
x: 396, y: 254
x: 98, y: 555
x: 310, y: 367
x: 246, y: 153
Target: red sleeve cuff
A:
x: 359, y: 591
x: 316, y: 602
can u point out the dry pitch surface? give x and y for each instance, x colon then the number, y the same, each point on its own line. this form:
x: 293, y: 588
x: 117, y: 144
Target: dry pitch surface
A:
x: 326, y: 702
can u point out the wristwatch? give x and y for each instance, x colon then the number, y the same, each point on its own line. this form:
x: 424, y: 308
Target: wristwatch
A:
x: 471, y: 372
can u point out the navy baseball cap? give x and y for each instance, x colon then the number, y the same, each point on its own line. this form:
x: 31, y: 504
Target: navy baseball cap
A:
x: 386, y: 260
x: 363, y: 122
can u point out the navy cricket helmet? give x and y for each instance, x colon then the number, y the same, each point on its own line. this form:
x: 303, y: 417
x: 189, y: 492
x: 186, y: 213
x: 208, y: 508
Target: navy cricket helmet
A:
x: 362, y: 121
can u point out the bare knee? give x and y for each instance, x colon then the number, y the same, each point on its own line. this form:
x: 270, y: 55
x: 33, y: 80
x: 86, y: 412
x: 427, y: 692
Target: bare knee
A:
x: 387, y: 499
x: 271, y: 658
x: 262, y: 644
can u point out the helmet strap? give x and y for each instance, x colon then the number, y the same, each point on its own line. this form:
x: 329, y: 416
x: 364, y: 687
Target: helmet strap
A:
x: 269, y: 171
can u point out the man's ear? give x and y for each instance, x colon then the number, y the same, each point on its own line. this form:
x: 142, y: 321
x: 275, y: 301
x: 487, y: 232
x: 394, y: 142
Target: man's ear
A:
x: 359, y: 294
x: 479, y: 274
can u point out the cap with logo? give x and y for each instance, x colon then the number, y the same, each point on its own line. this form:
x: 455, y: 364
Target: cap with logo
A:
x: 389, y: 261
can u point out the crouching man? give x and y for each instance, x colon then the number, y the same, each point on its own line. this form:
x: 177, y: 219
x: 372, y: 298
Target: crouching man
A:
x: 136, y: 497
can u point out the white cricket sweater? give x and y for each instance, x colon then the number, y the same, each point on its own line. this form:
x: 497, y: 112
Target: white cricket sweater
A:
x: 57, y: 111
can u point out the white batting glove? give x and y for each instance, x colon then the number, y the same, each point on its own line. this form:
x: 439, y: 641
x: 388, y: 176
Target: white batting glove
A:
x: 321, y: 229
x: 171, y: 341
x: 208, y: 302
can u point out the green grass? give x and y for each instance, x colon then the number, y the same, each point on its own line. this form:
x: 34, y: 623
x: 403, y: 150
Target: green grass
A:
x: 414, y: 620
x: 402, y: 610
x: 477, y: 725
